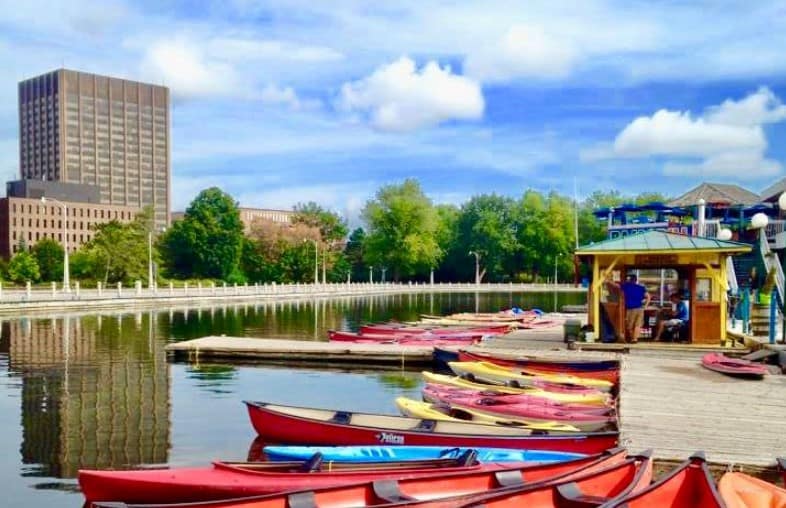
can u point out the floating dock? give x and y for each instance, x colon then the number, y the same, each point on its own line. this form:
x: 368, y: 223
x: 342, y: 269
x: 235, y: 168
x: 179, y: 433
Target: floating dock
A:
x: 299, y: 351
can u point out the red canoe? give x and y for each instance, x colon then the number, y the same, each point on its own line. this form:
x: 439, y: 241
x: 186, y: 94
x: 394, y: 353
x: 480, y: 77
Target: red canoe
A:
x: 433, y: 392
x: 607, y: 370
x: 393, y: 491
x: 502, y: 408
x: 296, y: 425
x: 411, y: 330
x: 578, y: 490
x: 690, y: 485
x: 224, y: 480
x: 733, y: 366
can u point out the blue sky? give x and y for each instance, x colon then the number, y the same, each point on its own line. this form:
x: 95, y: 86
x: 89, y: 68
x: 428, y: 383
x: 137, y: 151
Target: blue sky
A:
x: 285, y: 101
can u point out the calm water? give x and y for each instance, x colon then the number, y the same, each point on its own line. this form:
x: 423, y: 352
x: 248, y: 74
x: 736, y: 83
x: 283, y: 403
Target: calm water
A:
x: 96, y: 391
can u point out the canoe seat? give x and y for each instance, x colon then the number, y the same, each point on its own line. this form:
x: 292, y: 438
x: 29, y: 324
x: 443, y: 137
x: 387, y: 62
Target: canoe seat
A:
x: 341, y: 417
x: 389, y: 492
x: 570, y: 492
x: 301, y: 500
x: 509, y: 478
x: 426, y: 426
x: 468, y: 458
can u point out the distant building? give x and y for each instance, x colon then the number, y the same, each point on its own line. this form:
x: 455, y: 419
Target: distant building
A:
x: 25, y: 221
x: 249, y: 215
x: 720, y: 194
x: 110, y: 133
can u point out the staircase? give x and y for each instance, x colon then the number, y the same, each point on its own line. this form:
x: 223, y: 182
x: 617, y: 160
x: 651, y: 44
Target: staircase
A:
x: 744, y: 264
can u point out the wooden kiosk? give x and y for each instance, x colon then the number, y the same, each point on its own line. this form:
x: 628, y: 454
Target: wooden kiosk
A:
x: 700, y: 262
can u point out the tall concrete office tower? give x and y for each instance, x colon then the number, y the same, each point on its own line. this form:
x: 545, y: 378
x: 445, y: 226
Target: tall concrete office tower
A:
x: 100, y: 131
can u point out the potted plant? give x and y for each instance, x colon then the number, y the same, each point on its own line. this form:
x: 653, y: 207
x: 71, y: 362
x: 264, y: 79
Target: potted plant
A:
x: 765, y: 291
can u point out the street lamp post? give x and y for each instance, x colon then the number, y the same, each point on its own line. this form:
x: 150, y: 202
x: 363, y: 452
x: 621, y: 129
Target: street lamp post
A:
x: 66, y: 273
x: 316, y: 260
x: 384, y: 269
x: 150, y: 260
x: 370, y: 273
x: 477, y: 266
x: 556, y: 258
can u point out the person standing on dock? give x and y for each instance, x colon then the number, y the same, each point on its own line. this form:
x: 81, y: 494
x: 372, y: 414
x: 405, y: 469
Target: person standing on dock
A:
x: 636, y: 299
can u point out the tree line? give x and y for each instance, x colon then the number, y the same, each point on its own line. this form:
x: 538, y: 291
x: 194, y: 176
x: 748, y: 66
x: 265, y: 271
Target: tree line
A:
x: 404, y: 236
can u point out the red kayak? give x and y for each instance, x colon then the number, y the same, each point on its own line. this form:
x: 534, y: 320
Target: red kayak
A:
x: 354, y: 337
x: 297, y: 425
x: 395, y: 491
x: 224, y: 480
x: 434, y: 392
x: 607, y: 370
x: 498, y: 407
x: 733, y: 366
x: 412, y: 330
x: 690, y: 485
x: 413, y: 340
x: 587, y: 488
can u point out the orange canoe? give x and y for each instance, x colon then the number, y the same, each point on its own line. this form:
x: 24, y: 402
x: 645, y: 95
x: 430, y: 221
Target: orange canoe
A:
x: 739, y: 490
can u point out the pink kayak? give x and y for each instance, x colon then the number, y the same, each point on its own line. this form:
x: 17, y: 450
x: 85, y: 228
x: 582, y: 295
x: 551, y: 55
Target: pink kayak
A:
x: 339, y: 336
x: 433, y: 392
x: 411, y: 330
x: 412, y: 340
x: 733, y: 366
x: 491, y: 407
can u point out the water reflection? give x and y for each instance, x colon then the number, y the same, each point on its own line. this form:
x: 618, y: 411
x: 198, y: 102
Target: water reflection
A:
x: 90, y: 397
x: 94, y: 390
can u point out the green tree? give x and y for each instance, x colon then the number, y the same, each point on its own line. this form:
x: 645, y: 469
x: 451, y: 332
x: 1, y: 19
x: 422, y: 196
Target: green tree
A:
x: 119, y: 251
x: 353, y: 253
x: 402, y: 226
x: 332, y: 226
x: 208, y: 241
x: 49, y: 255
x: 486, y: 225
x: 23, y: 268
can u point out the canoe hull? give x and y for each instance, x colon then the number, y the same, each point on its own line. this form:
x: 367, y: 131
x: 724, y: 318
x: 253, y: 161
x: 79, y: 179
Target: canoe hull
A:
x: 606, y: 370
x: 734, y: 367
x: 382, y: 453
x: 277, y: 426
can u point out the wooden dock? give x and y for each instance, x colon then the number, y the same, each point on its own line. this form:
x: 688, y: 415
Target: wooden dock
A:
x: 670, y: 403
x: 299, y: 351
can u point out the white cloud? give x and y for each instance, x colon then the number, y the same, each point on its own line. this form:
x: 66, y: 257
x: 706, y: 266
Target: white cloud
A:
x: 523, y: 52
x: 677, y: 133
x: 254, y: 49
x: 728, y: 140
x: 729, y: 164
x: 758, y: 108
x: 183, y: 66
x: 273, y: 94
x: 399, y: 97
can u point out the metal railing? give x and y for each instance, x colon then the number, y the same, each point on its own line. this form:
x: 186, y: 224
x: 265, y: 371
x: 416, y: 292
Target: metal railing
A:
x: 272, y: 290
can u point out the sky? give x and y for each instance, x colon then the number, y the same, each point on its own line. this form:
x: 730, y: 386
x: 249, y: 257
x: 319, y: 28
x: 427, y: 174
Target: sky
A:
x: 280, y: 102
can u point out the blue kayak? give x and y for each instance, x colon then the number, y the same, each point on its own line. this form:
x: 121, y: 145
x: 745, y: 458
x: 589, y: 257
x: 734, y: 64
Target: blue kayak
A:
x: 396, y: 453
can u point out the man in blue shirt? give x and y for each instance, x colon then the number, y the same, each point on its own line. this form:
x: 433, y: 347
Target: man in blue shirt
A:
x: 636, y: 299
x: 677, y: 316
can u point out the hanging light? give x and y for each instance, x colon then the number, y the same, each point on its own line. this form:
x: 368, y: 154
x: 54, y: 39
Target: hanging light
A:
x: 782, y: 201
x: 759, y: 221
x: 724, y: 234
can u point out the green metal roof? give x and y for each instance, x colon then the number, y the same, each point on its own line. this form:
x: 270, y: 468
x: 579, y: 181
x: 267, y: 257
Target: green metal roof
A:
x: 662, y: 241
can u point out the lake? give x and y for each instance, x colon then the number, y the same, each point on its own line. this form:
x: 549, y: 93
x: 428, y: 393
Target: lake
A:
x: 96, y: 390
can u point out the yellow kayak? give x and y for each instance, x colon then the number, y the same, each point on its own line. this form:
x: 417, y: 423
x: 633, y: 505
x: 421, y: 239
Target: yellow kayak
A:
x: 591, y: 399
x: 498, y: 374
x: 425, y: 410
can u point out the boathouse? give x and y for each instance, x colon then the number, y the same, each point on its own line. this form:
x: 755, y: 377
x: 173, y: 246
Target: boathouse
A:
x: 696, y: 269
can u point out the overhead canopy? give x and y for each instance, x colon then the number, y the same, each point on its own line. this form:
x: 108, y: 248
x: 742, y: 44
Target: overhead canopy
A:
x: 661, y: 241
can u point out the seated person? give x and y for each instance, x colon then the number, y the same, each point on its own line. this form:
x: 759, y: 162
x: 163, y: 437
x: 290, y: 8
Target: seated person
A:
x: 677, y: 316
